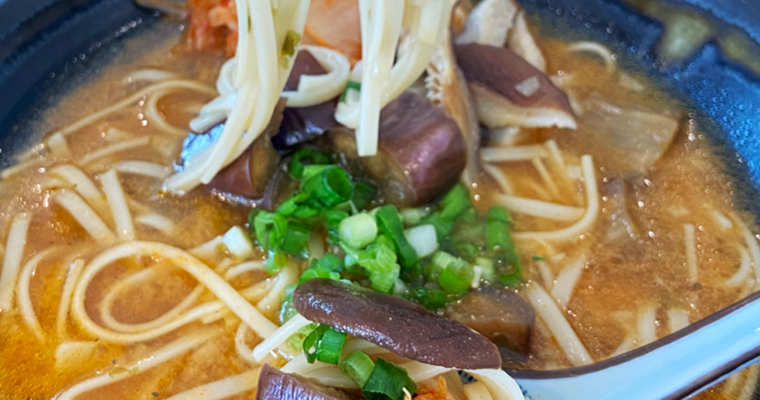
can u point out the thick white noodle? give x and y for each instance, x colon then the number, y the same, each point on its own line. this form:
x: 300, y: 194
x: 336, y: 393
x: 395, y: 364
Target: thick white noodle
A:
x: 125, y: 229
x: 252, y: 294
x: 745, y: 268
x: 689, y: 236
x: 114, y: 135
x: 584, y: 224
x: 58, y: 146
x: 646, y: 325
x: 316, y: 89
x: 546, y: 176
x: 227, y: 295
x: 279, y: 337
x: 134, y: 98
x: 501, y: 385
x: 144, y: 168
x: 210, y: 250
x: 14, y: 252
x: 677, y: 319
x: 150, y: 75
x: 724, y: 223
x: 500, y: 177
x: 84, y: 186
x: 24, y: 298
x: 114, y: 148
x: 547, y: 275
x: 242, y: 349
x: 20, y: 167
x: 86, y: 216
x: 172, y: 350
x: 554, y: 319
x: 477, y: 391
x: 75, y: 271
x: 542, y: 209
x: 142, y: 277
x: 243, y: 268
x: 223, y: 388
x: 566, y: 281
x: 381, y: 28
x: 514, y: 153
x: 593, y: 47
x: 752, y: 245
x: 625, y: 346
x: 155, y: 117
x: 273, y: 300
x: 157, y: 222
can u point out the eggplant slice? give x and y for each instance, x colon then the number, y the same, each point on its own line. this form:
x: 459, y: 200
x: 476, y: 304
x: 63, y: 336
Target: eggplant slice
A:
x: 277, y: 385
x: 421, y: 151
x: 509, y: 91
x: 398, y: 325
x: 302, y: 124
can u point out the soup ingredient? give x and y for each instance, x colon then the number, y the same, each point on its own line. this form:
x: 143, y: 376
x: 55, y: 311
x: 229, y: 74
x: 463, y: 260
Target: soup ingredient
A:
x: 335, y: 24
x: 488, y: 23
x: 421, y: 151
x: 500, y: 22
x: 498, y: 314
x: 302, y: 124
x: 446, y: 87
x: 252, y: 172
x: 628, y: 138
x: 395, y: 324
x: 277, y: 385
x: 510, y: 91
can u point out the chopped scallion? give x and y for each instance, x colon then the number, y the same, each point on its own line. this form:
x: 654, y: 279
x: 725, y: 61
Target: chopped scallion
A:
x: 350, y: 85
x: 358, y: 367
x: 387, y: 382
x: 389, y: 222
x: 357, y: 231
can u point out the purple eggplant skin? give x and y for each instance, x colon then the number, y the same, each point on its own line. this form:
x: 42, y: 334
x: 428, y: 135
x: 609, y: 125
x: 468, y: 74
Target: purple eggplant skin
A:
x: 277, y: 385
x: 395, y: 324
x: 303, y: 124
x: 421, y: 151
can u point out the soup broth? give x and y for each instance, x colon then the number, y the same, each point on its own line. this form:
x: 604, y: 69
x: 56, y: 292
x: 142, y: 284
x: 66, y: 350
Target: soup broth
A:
x: 668, y: 245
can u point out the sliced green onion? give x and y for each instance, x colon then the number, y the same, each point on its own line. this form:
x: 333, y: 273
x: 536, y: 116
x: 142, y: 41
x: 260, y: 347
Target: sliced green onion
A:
x: 330, y: 346
x: 413, y: 216
x: 442, y: 227
x: 287, y: 310
x: 350, y: 85
x: 455, y: 202
x: 423, y: 239
x: 358, y: 367
x: 310, y: 344
x: 296, y: 340
x: 311, y: 170
x: 331, y: 186
x: 380, y: 262
x: 487, y: 266
x: 470, y: 232
x: 333, y: 218
x: 357, y: 231
x: 270, y: 228
x: 454, y: 274
x: 387, y: 381
x: 539, y: 258
x: 296, y: 164
x: 318, y: 272
x: 500, y: 242
x: 384, y: 239
x: 296, y: 239
x: 275, y: 262
x: 292, y: 38
x: 330, y: 262
x: 466, y: 250
x: 389, y: 222
x: 431, y: 299
x: 363, y: 193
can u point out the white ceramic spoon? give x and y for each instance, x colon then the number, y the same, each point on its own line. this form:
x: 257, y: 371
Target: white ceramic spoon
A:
x: 674, y: 367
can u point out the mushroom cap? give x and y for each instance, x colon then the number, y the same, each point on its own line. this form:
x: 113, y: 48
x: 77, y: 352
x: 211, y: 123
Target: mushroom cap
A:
x: 398, y: 325
x: 510, y: 91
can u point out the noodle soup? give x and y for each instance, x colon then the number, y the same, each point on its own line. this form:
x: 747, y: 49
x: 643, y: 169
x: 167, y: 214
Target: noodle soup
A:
x: 564, y: 231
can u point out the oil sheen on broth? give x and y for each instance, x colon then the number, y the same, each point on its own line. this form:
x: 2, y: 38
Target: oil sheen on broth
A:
x: 629, y: 277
